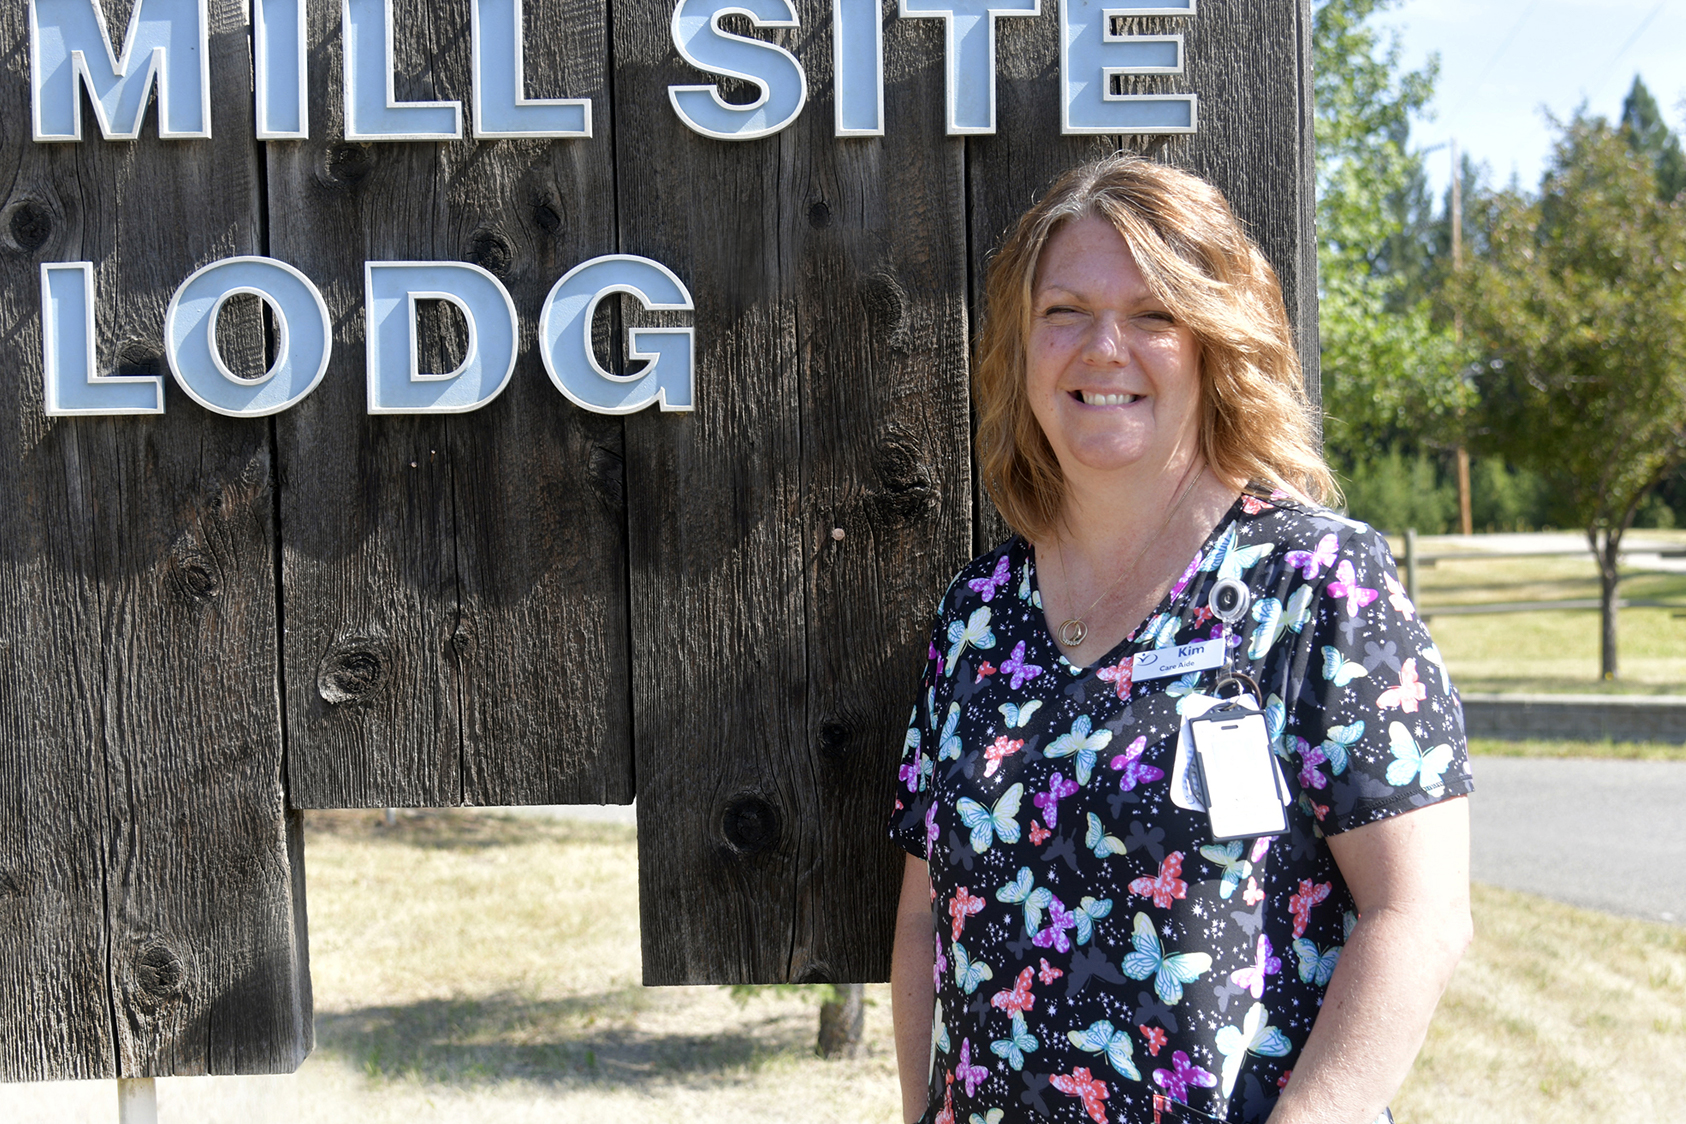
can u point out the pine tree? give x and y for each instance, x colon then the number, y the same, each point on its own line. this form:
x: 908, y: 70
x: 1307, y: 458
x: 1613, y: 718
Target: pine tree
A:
x: 1648, y: 133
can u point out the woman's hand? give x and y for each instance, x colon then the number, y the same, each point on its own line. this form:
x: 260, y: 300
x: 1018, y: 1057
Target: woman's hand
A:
x: 1409, y: 877
x: 913, y: 992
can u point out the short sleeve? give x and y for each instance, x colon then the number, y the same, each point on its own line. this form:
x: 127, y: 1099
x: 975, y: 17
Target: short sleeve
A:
x: 1377, y: 725
x: 912, y: 816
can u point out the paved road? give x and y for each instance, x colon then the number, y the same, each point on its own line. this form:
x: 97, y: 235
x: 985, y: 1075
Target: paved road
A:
x: 1606, y: 835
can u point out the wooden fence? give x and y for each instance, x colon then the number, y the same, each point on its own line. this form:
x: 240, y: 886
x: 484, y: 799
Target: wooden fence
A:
x: 207, y: 623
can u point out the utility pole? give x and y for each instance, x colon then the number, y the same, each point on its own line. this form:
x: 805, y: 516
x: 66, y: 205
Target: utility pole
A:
x: 1466, y: 522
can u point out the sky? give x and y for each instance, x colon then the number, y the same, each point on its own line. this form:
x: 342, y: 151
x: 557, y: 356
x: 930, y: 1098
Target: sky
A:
x: 1501, y: 61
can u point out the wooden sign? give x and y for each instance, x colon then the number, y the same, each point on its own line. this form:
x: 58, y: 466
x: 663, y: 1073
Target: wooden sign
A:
x: 213, y: 617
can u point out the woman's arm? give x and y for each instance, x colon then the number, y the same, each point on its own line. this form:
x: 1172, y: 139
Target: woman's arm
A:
x: 913, y: 993
x: 1409, y: 876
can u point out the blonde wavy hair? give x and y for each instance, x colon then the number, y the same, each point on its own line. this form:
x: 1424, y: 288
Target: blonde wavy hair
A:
x: 1256, y: 424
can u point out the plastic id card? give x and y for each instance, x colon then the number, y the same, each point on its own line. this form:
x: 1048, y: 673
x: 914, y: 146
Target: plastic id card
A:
x: 1238, y: 774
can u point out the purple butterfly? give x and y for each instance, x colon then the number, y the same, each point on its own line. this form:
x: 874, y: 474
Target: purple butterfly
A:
x: 1182, y: 582
x: 939, y: 966
x: 1311, y: 562
x: 1058, y: 789
x: 1312, y: 757
x: 910, y: 775
x: 1176, y: 1082
x: 930, y: 825
x: 1059, y: 920
x: 989, y: 586
x: 1253, y: 979
x: 1129, y: 763
x: 1015, y: 666
x: 1260, y: 846
x: 972, y: 1075
x: 1346, y: 585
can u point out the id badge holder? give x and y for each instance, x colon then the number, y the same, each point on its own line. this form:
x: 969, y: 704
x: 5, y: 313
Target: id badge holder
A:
x: 1239, y: 779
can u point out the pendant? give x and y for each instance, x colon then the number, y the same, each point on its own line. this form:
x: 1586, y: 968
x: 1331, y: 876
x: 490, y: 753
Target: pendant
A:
x: 1072, y: 633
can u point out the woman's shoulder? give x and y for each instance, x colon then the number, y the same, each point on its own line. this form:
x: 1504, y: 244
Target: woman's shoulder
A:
x: 1294, y: 525
x: 990, y: 573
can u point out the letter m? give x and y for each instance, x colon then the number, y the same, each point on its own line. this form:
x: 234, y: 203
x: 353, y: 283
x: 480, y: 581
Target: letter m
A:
x: 70, y: 49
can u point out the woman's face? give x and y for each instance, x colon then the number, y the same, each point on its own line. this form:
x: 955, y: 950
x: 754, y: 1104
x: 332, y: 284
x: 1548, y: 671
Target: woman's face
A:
x: 1113, y: 378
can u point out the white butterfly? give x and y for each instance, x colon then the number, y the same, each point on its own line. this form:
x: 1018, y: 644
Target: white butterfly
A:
x: 1411, y: 762
x: 1255, y: 1035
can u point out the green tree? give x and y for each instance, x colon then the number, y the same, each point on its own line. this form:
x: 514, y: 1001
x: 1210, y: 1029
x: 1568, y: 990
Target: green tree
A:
x: 1579, y: 302
x: 1649, y: 134
x: 1392, y: 370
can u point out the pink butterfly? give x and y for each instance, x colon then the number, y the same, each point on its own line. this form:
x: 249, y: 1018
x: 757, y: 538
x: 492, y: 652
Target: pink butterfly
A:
x: 1311, y: 562
x: 1260, y: 846
x: 1155, y: 1038
x: 1058, y: 789
x: 1167, y: 885
x: 998, y: 751
x: 1311, y: 757
x: 962, y: 906
x: 986, y: 669
x: 1252, y: 895
x: 1081, y: 1083
x: 1129, y: 763
x: 1120, y: 675
x: 1253, y: 979
x: 1408, y: 694
x: 1016, y: 666
x: 1346, y: 585
x: 970, y: 1075
x: 1301, y: 901
x: 1397, y: 597
x: 1059, y: 920
x: 1049, y: 973
x: 1252, y: 505
x: 1019, y: 998
x: 990, y: 585
x: 1282, y: 1082
x: 1176, y: 1081
x: 1038, y: 833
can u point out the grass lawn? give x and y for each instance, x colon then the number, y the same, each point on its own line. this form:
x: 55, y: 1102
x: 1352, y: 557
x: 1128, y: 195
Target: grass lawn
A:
x: 485, y: 967
x: 1553, y: 652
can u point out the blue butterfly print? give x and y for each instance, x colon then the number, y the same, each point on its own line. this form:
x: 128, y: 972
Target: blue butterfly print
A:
x: 949, y: 748
x: 1024, y: 891
x: 990, y: 824
x: 974, y: 632
x: 1081, y: 744
x: 1169, y: 972
x: 1231, y: 561
x: 1316, y: 966
x: 1335, y: 745
x: 1102, y: 1038
x: 1017, y: 1044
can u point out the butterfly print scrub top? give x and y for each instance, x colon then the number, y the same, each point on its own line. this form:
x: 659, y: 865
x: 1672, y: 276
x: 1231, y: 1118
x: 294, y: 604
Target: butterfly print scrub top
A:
x: 1095, y: 948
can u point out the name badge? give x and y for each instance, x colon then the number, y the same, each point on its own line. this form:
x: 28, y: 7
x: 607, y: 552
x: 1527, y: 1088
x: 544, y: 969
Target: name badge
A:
x: 1179, y: 660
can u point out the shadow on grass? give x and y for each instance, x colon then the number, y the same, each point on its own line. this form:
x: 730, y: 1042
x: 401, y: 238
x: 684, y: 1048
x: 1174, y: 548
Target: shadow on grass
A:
x: 579, y: 1040
x: 461, y: 829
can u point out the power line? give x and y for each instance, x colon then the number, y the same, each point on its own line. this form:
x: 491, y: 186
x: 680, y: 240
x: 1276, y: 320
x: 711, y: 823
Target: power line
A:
x: 1503, y: 47
x: 1610, y: 67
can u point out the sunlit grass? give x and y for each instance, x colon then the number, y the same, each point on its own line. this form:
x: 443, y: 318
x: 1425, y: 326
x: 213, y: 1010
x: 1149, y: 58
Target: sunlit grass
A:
x: 1604, y: 750
x: 1557, y: 1015
x: 1553, y: 652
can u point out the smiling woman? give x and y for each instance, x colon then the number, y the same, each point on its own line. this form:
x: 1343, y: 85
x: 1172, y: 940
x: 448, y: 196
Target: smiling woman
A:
x: 1109, y: 911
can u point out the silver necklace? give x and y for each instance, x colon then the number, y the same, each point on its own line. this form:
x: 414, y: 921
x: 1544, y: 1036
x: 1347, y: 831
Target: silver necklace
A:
x: 1072, y: 630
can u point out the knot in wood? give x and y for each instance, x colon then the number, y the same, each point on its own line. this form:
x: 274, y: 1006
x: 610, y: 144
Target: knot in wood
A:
x: 836, y: 738
x: 903, y: 493
x: 461, y: 640
x: 887, y: 309
x: 160, y: 972
x: 751, y: 824
x: 819, y: 215
x: 349, y: 674
x: 547, y: 218
x: 30, y: 225
x: 193, y: 574
x: 492, y: 252
x: 348, y: 164
x: 11, y: 885
x: 815, y: 972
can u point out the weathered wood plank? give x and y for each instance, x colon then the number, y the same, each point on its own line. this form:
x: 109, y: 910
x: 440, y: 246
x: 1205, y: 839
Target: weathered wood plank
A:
x: 454, y: 586
x: 150, y: 890
x: 773, y: 662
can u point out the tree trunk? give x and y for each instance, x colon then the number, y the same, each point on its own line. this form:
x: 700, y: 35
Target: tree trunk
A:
x: 1609, y: 581
x: 841, y: 1021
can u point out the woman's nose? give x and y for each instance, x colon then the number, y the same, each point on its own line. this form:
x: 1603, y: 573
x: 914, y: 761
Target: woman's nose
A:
x: 1105, y: 342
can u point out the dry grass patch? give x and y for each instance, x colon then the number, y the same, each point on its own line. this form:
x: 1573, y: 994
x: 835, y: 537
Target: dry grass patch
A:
x: 1604, y: 750
x: 1557, y: 1015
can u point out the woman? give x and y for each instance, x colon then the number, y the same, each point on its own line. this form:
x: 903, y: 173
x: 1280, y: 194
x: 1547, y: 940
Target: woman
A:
x: 1077, y: 939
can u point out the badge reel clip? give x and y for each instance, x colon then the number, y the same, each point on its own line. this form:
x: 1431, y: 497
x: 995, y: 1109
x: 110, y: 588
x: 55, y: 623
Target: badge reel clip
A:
x: 1240, y: 782
x: 1229, y: 602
